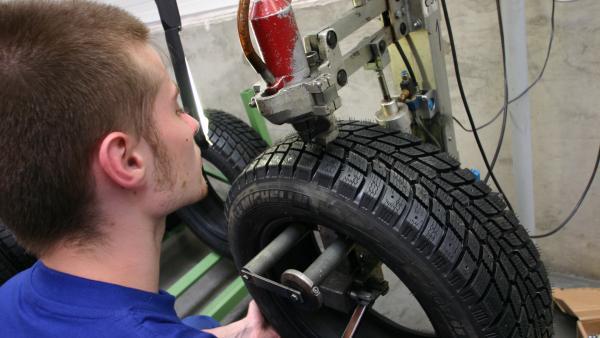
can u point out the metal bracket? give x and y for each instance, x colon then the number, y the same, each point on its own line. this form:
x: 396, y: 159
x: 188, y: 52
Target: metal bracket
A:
x: 272, y: 286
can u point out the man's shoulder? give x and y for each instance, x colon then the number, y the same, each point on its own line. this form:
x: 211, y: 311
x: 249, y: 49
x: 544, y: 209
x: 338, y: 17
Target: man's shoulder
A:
x: 25, y: 312
x: 12, y: 287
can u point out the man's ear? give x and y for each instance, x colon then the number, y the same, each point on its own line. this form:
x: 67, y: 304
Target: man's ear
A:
x: 121, y: 159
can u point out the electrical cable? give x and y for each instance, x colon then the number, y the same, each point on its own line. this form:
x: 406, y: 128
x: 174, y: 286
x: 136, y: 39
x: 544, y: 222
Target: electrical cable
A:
x: 535, y: 82
x: 576, y: 208
x: 466, y: 105
x: 388, y: 23
x: 506, y: 102
x: 404, y: 59
x: 505, y: 105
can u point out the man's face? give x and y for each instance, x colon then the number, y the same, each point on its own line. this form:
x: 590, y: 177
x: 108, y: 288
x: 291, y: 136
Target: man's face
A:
x: 177, y: 166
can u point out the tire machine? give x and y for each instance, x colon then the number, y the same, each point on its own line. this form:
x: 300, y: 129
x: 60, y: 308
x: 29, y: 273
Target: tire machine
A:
x: 302, y: 76
x: 301, y: 82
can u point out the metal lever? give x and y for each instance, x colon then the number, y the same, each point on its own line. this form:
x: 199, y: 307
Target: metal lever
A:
x: 364, y: 299
x: 357, y: 315
x: 265, y: 260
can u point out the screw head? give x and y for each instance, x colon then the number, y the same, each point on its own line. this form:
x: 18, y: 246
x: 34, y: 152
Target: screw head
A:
x: 342, y: 77
x: 316, y: 291
x: 294, y: 297
x: 246, y: 277
x: 331, y: 39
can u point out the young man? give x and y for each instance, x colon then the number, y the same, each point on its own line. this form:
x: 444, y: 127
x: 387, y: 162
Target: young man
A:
x: 95, y: 153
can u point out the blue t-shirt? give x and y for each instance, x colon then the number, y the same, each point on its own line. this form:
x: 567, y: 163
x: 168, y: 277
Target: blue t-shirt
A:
x: 41, y: 302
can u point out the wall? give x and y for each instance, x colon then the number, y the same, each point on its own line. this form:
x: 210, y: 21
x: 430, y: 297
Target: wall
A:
x: 565, y: 116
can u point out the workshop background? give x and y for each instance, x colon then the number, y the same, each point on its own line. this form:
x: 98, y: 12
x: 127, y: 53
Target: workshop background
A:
x: 564, y: 112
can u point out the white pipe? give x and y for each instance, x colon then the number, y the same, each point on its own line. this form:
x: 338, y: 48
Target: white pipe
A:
x: 513, y: 14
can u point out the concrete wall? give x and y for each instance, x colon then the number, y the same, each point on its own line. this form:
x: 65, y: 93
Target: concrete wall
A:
x: 565, y: 116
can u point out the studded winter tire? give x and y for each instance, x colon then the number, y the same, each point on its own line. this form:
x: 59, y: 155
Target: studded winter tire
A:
x: 466, y: 259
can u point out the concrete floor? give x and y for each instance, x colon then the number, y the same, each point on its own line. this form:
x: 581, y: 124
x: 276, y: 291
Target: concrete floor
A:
x: 183, y: 250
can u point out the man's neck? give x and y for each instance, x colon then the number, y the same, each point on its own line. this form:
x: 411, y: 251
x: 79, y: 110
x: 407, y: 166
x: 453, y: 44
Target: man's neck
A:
x: 130, y: 257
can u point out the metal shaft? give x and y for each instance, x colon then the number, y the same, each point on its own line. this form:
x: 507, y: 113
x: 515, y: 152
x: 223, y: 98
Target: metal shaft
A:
x: 328, y: 260
x: 275, y: 250
x: 383, y: 85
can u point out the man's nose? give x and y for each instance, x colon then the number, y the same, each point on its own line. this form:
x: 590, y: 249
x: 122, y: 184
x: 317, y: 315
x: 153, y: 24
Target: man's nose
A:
x: 192, y: 122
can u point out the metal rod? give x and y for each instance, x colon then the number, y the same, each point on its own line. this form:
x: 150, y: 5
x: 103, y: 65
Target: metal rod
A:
x: 357, y: 315
x: 513, y: 13
x: 275, y: 250
x: 171, y: 22
x: 328, y: 260
x: 383, y: 85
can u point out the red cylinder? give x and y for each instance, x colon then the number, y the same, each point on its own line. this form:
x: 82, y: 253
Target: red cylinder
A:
x: 279, y: 41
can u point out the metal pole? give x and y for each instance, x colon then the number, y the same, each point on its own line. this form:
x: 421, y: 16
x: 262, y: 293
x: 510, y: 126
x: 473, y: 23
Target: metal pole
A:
x: 171, y: 22
x: 513, y: 13
x: 271, y: 254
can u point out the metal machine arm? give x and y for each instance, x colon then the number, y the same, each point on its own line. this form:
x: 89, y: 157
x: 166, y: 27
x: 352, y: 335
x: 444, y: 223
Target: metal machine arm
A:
x: 310, y: 103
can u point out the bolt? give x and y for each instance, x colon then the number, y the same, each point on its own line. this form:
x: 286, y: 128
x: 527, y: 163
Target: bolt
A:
x: 294, y: 297
x: 246, y: 277
x: 252, y: 104
x: 316, y: 291
x: 429, y: 2
x: 418, y: 24
x: 342, y: 77
x: 331, y: 39
x: 398, y: 14
x: 358, y: 3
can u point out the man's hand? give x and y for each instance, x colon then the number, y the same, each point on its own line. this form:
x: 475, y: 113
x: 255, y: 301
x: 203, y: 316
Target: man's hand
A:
x: 252, y: 326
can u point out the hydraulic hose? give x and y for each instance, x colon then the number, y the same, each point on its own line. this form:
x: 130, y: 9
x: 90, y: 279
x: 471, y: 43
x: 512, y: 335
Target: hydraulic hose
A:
x: 244, y: 34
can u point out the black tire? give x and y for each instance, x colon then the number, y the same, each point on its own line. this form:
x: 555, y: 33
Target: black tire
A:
x: 234, y: 145
x: 13, y: 258
x: 467, y: 260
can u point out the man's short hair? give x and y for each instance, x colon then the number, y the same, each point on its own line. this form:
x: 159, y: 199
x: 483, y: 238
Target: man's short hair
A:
x: 67, y: 79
